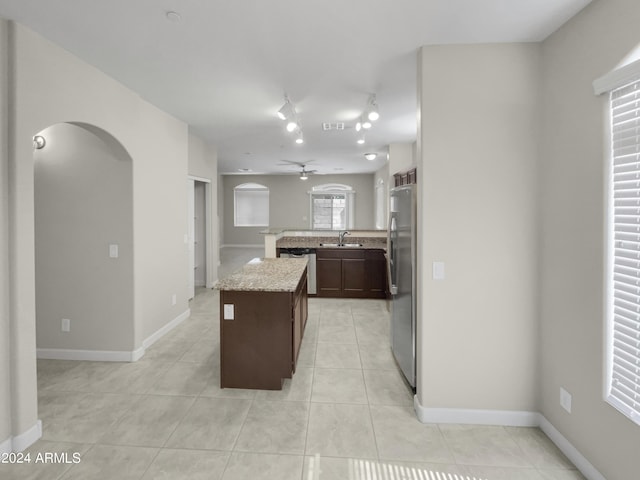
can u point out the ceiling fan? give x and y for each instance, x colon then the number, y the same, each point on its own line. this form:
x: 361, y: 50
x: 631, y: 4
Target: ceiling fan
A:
x: 304, y: 173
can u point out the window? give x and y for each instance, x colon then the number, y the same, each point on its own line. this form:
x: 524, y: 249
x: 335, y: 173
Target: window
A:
x: 623, y: 322
x: 251, y: 205
x: 332, y: 207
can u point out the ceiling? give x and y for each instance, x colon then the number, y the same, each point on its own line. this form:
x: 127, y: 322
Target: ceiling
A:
x: 225, y: 66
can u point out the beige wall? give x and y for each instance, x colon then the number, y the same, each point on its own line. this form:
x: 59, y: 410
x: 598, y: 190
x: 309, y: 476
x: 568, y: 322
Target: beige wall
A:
x: 289, y: 203
x: 83, y: 203
x: 382, y: 175
x: 203, y: 163
x: 477, y: 328
x: 572, y: 199
x: 50, y: 86
x: 6, y: 317
x: 401, y: 157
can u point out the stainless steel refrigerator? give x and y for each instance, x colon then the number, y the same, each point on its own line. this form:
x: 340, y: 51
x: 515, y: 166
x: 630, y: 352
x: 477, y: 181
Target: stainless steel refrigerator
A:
x: 401, y: 255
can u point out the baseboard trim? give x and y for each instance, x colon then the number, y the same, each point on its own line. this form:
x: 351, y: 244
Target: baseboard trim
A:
x: 235, y: 245
x: 571, y: 452
x: 475, y: 417
x: 5, y: 447
x: 110, y: 355
x: 161, y: 332
x: 23, y: 441
x: 90, y: 355
x: 509, y: 419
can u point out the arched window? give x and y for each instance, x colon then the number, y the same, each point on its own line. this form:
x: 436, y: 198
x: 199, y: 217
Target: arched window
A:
x: 332, y: 207
x: 251, y: 205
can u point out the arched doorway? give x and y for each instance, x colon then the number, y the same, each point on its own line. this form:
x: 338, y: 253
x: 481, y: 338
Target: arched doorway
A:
x: 83, y: 200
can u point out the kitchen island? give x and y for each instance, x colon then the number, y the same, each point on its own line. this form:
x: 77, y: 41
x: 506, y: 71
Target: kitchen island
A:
x: 263, y: 313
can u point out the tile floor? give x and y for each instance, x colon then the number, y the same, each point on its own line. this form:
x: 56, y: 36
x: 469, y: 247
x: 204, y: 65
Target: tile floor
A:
x: 345, y: 415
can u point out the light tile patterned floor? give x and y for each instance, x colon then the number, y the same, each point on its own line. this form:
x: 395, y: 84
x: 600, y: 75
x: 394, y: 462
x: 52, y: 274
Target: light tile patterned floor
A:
x: 346, y: 414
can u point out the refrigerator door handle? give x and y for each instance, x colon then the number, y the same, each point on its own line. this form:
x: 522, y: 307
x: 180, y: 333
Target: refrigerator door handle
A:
x: 391, y: 254
x: 393, y: 289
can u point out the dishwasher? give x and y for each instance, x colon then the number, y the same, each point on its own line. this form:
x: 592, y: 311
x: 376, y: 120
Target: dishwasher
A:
x: 310, y: 255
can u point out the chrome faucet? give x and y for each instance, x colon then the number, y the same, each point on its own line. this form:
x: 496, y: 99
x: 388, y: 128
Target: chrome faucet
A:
x: 341, y: 238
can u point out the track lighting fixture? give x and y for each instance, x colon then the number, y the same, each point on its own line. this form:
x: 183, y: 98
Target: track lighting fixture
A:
x: 361, y: 139
x: 372, y: 109
x: 287, y: 111
x: 291, y: 126
x: 289, y: 115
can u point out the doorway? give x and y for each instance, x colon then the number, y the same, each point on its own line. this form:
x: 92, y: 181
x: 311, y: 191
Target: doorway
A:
x: 199, y: 234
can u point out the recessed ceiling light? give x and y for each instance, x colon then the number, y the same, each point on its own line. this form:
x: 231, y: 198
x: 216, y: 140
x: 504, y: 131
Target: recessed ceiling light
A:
x: 173, y: 16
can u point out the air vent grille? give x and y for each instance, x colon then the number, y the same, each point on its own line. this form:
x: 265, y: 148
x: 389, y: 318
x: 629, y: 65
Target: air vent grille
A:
x: 326, y: 126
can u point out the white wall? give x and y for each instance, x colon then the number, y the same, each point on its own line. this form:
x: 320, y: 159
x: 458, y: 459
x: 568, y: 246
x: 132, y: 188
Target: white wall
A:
x: 572, y: 198
x: 477, y: 328
x: 289, y: 203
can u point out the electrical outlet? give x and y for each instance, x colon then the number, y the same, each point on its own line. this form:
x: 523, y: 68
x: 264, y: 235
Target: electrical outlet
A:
x: 66, y: 325
x: 565, y: 399
x: 174, y: 299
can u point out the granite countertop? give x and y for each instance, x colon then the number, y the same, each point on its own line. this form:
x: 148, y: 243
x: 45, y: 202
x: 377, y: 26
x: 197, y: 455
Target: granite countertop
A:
x: 266, y: 275
x: 314, y: 242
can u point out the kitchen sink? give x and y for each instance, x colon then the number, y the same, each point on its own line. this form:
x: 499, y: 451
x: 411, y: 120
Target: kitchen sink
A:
x: 344, y: 245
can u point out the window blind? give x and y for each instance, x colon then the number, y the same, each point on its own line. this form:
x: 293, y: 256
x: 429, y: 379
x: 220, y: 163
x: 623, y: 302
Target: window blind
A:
x: 624, y: 270
x: 251, y: 206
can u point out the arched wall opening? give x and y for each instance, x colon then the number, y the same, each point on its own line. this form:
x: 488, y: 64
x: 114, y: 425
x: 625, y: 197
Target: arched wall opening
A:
x: 83, y: 200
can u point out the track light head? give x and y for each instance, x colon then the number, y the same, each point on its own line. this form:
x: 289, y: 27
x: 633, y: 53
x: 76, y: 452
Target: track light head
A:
x: 372, y: 109
x: 291, y: 125
x: 287, y: 111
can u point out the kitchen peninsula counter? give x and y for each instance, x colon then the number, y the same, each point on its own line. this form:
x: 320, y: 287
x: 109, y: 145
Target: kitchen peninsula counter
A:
x: 379, y: 243
x: 263, y: 313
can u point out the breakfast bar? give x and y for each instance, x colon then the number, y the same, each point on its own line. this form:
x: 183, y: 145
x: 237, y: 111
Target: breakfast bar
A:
x: 263, y: 313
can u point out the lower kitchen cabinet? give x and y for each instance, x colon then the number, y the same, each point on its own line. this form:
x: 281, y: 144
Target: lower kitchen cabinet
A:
x: 351, y: 273
x: 260, y: 336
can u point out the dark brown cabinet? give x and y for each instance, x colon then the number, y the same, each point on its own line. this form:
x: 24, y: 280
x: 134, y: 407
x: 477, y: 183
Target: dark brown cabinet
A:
x: 351, y: 273
x: 259, y: 345
x: 405, y: 178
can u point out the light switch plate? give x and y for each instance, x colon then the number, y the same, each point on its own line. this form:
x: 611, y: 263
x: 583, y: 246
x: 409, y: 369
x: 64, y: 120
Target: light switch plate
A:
x: 113, y: 250
x: 438, y: 270
x: 228, y: 311
x: 565, y: 399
